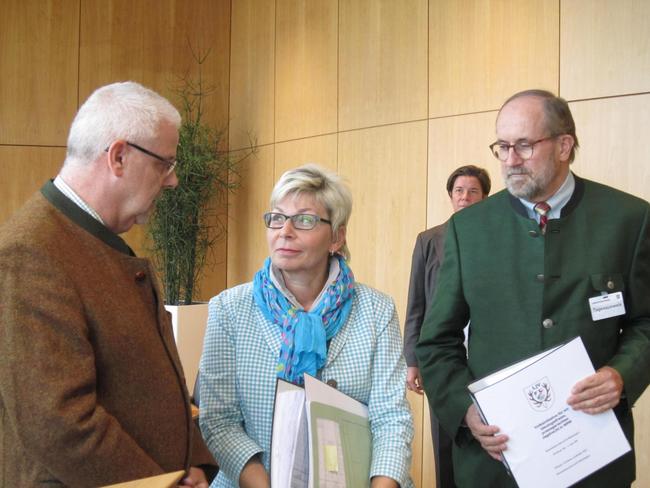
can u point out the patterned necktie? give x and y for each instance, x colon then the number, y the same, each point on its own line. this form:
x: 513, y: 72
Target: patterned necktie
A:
x: 542, y: 208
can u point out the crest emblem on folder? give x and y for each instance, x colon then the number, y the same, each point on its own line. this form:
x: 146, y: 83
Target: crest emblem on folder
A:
x: 540, y: 395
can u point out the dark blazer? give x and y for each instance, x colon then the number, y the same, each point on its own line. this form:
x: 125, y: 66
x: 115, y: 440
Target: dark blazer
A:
x: 428, y: 254
x: 500, y: 272
x: 91, y: 387
x: 425, y: 264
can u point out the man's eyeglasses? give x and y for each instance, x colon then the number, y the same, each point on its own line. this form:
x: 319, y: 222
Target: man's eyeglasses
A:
x: 274, y: 220
x: 524, y: 149
x: 170, y: 163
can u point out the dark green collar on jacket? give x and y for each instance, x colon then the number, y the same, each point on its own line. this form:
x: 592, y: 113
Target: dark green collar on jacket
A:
x: 83, y: 219
x: 578, y: 191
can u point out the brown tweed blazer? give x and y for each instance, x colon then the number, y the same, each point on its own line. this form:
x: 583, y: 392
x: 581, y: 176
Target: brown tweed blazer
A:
x: 91, y: 387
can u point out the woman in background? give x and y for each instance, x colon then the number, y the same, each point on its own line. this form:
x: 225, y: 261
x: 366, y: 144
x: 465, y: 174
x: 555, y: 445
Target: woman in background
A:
x: 303, y: 313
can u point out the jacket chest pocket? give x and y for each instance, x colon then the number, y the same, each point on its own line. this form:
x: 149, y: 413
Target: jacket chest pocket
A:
x: 607, y: 282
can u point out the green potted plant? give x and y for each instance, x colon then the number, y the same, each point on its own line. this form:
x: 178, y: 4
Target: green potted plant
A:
x: 189, y: 221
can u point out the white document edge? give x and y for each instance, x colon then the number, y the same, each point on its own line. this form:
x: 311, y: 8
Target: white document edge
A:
x: 318, y: 391
x: 281, y: 387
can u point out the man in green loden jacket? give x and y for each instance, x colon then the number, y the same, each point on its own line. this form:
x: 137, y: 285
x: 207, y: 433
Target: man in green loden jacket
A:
x: 523, y: 276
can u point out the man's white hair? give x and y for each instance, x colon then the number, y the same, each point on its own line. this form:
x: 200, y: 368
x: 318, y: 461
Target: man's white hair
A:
x: 125, y: 110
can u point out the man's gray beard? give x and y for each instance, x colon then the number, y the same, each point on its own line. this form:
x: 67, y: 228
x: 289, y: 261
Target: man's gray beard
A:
x: 532, y: 189
x: 528, y: 190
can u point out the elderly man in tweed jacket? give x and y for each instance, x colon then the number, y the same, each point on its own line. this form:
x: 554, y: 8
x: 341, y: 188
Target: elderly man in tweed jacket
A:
x: 91, y: 387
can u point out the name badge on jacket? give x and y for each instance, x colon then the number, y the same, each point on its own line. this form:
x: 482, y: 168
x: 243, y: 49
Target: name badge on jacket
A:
x: 606, y: 306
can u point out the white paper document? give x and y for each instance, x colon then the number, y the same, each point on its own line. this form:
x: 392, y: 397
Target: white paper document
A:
x: 289, y: 442
x: 548, y: 440
x: 320, y: 438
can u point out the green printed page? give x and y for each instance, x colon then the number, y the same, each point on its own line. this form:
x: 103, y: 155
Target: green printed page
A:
x: 341, y: 447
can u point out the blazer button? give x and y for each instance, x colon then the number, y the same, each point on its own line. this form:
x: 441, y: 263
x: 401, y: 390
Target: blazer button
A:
x: 533, y: 233
x: 140, y: 276
x: 331, y: 383
x: 547, y: 323
x: 610, y: 285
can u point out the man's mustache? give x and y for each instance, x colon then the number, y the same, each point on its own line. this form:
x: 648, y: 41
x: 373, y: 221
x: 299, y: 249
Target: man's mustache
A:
x: 517, y: 171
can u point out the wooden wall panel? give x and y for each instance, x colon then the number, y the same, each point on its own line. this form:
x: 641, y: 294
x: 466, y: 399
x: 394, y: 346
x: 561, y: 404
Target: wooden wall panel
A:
x: 368, y: 158
x: 151, y: 42
x: 252, y: 66
x: 306, y: 68
x: 38, y: 61
x: 605, y: 48
x: 204, y: 25
x: 428, y: 478
x: 613, y: 150
x: 386, y: 169
x: 247, y: 246
x: 321, y: 150
x: 482, y: 51
x: 383, y: 62
x: 25, y: 170
x: 454, y: 142
x: 642, y: 440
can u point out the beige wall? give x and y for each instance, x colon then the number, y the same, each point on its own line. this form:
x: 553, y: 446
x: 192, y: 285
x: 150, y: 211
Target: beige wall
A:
x: 392, y: 94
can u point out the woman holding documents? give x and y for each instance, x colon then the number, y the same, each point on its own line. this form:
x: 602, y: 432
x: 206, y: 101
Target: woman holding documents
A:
x: 302, y: 314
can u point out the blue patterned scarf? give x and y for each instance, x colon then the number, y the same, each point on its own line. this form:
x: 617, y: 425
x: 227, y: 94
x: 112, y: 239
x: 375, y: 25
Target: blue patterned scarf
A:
x: 304, y: 334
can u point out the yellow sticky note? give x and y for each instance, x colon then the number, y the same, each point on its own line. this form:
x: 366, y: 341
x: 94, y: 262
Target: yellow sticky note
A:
x: 331, y: 458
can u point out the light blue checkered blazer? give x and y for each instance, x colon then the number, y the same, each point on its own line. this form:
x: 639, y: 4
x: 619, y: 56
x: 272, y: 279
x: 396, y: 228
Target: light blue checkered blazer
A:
x: 238, y: 379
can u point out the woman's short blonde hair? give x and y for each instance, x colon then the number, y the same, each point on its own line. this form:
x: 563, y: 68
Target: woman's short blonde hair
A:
x: 327, y: 188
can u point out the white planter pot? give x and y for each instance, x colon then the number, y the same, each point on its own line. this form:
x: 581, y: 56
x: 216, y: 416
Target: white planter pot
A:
x: 188, y: 322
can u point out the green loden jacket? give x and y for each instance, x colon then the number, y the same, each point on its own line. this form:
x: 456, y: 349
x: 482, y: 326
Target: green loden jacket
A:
x: 525, y: 292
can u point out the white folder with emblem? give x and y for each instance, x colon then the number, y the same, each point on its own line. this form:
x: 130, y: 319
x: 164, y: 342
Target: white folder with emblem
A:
x: 548, y: 440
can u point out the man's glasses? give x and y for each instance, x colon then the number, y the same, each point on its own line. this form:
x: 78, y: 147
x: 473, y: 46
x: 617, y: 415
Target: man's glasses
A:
x: 274, y: 220
x: 169, y: 163
x: 524, y: 149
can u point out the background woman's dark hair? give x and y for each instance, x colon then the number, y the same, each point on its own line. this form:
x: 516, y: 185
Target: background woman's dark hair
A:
x: 471, y: 170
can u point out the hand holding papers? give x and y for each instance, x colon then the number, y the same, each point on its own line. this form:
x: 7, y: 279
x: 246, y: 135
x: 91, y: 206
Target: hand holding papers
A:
x: 548, y: 440
x: 321, y: 437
